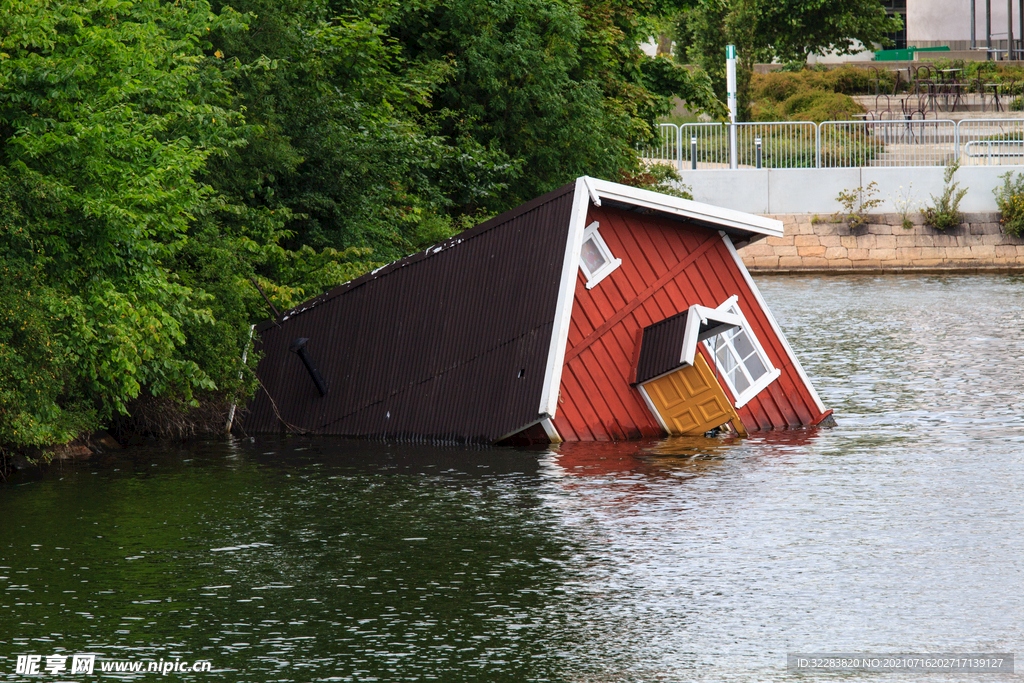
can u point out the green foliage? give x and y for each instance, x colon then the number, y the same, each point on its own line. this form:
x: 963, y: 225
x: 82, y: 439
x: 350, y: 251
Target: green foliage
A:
x: 40, y: 401
x: 856, y: 204
x: 847, y: 80
x: 775, y: 30
x: 1010, y: 200
x: 560, y: 88
x: 945, y: 212
x: 808, y: 95
x: 903, y: 201
x: 701, y: 40
x: 339, y: 154
x: 658, y: 178
x: 159, y: 158
x: 816, y: 106
x: 790, y: 30
x: 99, y: 151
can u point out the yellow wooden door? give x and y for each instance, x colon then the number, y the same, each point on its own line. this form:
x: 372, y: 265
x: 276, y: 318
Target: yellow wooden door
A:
x: 691, y: 401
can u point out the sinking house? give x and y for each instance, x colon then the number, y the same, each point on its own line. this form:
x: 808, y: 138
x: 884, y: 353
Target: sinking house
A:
x: 596, y: 312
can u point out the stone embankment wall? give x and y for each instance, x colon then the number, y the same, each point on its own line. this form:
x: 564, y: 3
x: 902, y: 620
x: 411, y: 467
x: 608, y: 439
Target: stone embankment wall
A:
x: 883, y: 244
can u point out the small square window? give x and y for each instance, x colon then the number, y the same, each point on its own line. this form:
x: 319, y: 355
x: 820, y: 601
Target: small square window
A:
x: 592, y: 256
x: 596, y: 259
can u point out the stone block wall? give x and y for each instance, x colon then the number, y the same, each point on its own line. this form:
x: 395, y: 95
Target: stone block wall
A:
x: 883, y: 244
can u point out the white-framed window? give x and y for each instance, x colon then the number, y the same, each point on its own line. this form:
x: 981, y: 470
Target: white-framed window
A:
x: 596, y: 258
x: 739, y: 358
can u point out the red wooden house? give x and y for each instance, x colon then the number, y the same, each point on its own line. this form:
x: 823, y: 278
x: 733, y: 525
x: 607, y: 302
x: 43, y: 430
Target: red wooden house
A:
x: 596, y: 312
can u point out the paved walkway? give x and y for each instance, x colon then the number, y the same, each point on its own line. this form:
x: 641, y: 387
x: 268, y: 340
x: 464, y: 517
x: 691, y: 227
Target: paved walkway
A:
x: 974, y: 107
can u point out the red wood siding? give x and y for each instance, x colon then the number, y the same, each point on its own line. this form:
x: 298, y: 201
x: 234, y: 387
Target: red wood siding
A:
x: 596, y: 402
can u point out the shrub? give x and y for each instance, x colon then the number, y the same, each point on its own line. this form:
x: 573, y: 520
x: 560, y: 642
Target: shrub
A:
x: 821, y: 106
x: 777, y: 86
x: 856, y: 203
x: 850, y: 80
x: 945, y: 212
x: 659, y: 178
x: 1010, y: 199
x: 808, y: 95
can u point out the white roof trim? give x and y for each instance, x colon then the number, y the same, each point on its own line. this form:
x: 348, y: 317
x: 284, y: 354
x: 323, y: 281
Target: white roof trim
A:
x: 775, y: 325
x: 718, y: 215
x: 566, y: 293
x: 587, y: 182
x: 691, y: 333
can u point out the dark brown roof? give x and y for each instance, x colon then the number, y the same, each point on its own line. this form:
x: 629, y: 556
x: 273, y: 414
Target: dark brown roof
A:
x: 450, y: 343
x: 661, y: 347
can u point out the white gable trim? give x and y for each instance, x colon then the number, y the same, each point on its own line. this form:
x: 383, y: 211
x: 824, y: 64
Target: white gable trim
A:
x: 566, y: 292
x: 588, y: 182
x: 691, y: 333
x: 683, y: 207
x: 773, y: 323
x: 650, y: 404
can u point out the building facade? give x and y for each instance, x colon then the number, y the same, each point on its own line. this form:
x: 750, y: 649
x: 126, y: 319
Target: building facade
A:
x: 931, y: 23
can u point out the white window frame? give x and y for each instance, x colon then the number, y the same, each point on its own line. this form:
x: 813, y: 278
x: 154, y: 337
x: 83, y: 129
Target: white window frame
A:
x: 731, y: 306
x: 610, y: 262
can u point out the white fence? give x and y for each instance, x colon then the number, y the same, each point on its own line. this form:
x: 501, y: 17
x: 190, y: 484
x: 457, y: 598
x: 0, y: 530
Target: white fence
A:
x: 842, y: 144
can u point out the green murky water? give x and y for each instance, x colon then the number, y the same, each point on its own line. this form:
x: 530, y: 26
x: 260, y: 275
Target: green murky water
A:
x: 681, y: 560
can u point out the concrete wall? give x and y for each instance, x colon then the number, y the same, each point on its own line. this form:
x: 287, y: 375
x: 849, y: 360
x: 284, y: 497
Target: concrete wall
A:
x: 814, y: 190
x: 948, y: 20
x: 882, y: 244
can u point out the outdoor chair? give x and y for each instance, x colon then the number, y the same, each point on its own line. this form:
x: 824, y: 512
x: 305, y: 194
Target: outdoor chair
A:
x: 877, y: 80
x: 1010, y: 90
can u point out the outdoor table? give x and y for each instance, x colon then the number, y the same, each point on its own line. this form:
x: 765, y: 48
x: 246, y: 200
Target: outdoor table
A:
x: 995, y: 95
x: 952, y: 86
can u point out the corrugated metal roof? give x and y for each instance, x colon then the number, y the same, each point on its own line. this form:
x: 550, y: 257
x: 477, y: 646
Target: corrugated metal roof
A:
x: 662, y: 344
x: 448, y: 344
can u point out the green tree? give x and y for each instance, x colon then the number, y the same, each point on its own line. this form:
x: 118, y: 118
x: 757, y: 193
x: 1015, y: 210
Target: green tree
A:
x: 775, y: 30
x: 107, y: 115
x: 562, y: 88
x: 337, y: 139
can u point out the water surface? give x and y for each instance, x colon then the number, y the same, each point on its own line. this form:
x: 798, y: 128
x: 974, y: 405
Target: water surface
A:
x: 692, y: 559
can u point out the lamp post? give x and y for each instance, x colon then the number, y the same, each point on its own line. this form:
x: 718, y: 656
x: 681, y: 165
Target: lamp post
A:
x: 730, y: 86
x: 1009, y: 29
x: 988, y: 27
x: 974, y: 43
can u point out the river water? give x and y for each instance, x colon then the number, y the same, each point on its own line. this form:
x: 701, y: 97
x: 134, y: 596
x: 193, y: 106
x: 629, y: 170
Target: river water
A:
x: 899, y: 531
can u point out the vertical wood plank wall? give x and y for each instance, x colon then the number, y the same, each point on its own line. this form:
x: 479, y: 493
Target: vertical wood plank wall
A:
x: 596, y: 402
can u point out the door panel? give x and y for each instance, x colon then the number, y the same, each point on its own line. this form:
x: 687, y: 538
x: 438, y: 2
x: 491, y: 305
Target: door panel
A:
x: 691, y: 401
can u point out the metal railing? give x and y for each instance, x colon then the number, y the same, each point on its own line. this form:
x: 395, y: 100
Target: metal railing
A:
x: 991, y: 142
x: 849, y: 144
x: 841, y: 144
x: 786, y: 144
